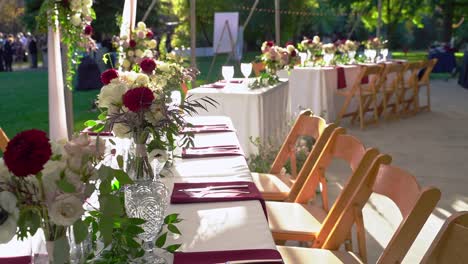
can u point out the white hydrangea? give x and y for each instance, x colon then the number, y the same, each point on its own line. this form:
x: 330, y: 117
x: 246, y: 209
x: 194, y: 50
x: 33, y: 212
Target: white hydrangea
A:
x: 130, y: 53
x: 163, y: 66
x: 126, y: 64
x: 75, y: 5
x: 154, y: 115
x: 139, y: 53
x: 111, y: 94
x: 76, y: 19
x: 50, y: 176
x: 87, y: 3
x: 142, y: 80
x: 148, y: 54
x: 66, y: 209
x: 121, y: 131
x: 152, y: 44
x: 8, y: 204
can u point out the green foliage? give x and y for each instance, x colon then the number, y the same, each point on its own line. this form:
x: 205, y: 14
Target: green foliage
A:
x: 265, y: 79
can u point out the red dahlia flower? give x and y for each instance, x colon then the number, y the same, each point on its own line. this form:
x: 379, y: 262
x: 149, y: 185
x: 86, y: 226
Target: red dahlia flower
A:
x: 289, y: 43
x: 88, y: 30
x: 270, y: 43
x: 109, y: 75
x: 138, y: 99
x: 27, y: 153
x: 149, y: 34
x: 147, y: 65
x: 132, y: 43
x: 293, y: 53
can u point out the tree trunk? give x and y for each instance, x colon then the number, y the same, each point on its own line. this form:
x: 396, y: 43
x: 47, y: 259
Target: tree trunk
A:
x: 448, y: 9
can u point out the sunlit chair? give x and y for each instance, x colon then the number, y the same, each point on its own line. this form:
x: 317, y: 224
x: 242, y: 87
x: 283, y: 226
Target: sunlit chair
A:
x: 277, y: 187
x: 414, y: 203
x: 366, y: 95
x: 451, y: 243
x: 3, y: 140
x: 428, y: 66
x: 301, y: 221
x: 408, y: 94
x: 392, y: 79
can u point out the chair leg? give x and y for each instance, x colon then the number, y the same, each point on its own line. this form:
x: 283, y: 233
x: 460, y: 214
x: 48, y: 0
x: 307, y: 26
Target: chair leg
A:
x: 343, y: 109
x: 361, y: 233
x: 361, y: 114
x: 376, y: 114
x: 428, y: 97
x: 323, y: 181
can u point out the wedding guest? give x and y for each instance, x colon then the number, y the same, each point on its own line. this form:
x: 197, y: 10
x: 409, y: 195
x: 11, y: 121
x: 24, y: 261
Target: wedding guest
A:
x: 2, y: 43
x: 32, y: 46
x: 8, y: 51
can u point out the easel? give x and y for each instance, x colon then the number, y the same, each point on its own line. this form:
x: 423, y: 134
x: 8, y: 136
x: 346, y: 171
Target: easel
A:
x: 233, y: 47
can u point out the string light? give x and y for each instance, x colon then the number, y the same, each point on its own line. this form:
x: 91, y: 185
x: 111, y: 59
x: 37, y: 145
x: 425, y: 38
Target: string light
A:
x: 288, y: 12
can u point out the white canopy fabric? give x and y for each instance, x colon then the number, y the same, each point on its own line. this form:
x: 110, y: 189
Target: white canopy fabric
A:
x: 128, y: 17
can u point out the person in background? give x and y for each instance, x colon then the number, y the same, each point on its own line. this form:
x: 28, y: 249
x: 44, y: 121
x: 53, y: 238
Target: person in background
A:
x: 8, y: 51
x: 32, y: 47
x: 2, y: 43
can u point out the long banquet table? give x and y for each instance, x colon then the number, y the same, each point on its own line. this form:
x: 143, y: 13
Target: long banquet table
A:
x: 215, y: 226
x: 262, y: 112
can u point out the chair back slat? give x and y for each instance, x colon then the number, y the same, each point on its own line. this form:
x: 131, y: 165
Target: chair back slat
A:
x: 429, y: 66
x: 451, y: 243
x: 3, y: 140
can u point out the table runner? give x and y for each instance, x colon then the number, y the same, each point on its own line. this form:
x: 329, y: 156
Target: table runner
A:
x: 212, y: 257
x: 16, y: 260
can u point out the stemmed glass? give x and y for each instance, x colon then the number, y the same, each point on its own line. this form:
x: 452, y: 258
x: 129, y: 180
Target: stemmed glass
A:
x: 227, y: 72
x: 351, y: 55
x: 384, y: 53
x: 246, y: 69
x: 328, y: 57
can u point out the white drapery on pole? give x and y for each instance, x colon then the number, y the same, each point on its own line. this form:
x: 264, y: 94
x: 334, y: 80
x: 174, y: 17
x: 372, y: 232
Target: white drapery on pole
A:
x: 57, y: 111
x: 128, y: 17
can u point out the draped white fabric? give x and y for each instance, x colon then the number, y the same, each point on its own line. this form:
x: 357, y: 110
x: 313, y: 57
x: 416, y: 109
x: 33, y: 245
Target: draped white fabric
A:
x: 128, y: 17
x: 57, y: 111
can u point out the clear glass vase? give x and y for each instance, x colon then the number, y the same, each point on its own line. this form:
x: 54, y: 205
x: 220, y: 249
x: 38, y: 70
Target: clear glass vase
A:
x: 148, y: 200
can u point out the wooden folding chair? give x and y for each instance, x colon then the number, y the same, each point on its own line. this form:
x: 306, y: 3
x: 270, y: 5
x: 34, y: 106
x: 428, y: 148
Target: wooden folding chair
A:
x: 300, y: 221
x: 277, y: 187
x: 3, y: 140
x: 408, y: 95
x: 415, y: 205
x: 428, y: 66
x: 390, y: 89
x: 365, y: 93
x: 451, y: 243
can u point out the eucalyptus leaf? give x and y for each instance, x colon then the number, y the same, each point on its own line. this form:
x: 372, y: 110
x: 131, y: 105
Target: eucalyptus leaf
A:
x: 171, y: 218
x: 105, y: 227
x: 173, y: 248
x: 122, y: 177
x: 80, y: 231
x: 161, y: 240
x: 90, y: 123
x: 110, y: 205
x: 173, y: 229
x: 120, y: 161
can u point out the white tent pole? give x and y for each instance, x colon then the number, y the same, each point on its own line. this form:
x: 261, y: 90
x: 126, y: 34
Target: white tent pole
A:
x: 277, y: 22
x: 57, y: 110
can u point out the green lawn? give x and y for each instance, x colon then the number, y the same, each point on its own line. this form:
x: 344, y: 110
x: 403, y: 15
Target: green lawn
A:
x: 23, y: 94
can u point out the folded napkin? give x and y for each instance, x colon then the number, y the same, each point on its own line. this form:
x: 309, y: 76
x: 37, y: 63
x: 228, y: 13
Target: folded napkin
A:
x: 231, y: 81
x: 365, y: 80
x: 232, y: 194
x: 212, y: 257
x: 341, y: 77
x: 15, y: 260
x: 92, y: 133
x: 211, y: 128
x: 212, y: 151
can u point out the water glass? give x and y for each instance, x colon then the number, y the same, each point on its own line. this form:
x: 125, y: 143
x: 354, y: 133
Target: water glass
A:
x: 246, y: 69
x: 227, y: 72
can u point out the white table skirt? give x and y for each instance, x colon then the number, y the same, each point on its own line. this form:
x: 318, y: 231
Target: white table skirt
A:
x: 206, y: 226
x: 255, y: 113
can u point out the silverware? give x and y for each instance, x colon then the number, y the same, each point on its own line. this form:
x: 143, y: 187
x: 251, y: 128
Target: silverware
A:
x: 209, y: 188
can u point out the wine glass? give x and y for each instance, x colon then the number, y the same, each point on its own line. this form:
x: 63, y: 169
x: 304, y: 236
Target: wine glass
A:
x: 303, y: 56
x: 246, y: 69
x: 372, y: 54
x: 384, y: 53
x: 227, y: 72
x: 351, y: 55
x: 328, y: 57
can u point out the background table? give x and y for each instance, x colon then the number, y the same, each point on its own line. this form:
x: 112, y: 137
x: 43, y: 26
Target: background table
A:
x: 262, y: 113
x: 446, y: 61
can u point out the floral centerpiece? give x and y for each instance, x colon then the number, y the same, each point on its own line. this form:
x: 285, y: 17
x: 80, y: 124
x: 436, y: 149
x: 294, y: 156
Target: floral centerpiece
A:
x: 45, y: 184
x: 374, y: 43
x: 312, y: 46
x: 135, y: 47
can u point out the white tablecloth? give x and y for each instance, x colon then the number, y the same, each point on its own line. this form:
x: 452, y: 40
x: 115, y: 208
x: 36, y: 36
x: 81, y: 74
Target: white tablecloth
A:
x: 206, y: 226
x: 262, y: 113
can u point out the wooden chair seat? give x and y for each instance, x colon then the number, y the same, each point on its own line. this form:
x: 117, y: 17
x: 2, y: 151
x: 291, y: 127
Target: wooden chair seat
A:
x: 302, y: 221
x: 273, y: 187
x: 295, y: 255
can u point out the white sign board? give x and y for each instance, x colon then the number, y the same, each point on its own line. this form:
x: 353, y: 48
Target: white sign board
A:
x: 221, y: 40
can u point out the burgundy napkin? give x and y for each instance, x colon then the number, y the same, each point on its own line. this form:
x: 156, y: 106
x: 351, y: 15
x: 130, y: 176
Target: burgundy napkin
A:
x: 341, y: 77
x: 92, y: 133
x: 179, y: 197
x: 211, y: 257
x: 16, y: 260
x: 212, y: 151
x: 216, y: 85
x: 365, y: 80
x: 231, y: 81
x: 211, y: 128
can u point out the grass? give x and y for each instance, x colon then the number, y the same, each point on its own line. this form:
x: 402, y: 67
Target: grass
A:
x: 24, y: 105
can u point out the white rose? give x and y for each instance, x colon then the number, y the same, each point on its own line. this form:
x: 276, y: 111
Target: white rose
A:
x: 111, y: 94
x: 126, y: 64
x: 50, y: 176
x: 290, y: 48
x: 76, y: 19
x: 124, y: 37
x: 152, y: 44
x: 87, y: 3
x: 85, y: 11
x: 148, y: 54
x: 66, y: 209
x: 316, y: 39
x: 121, y: 131
x: 141, y: 34
x: 139, y: 53
x: 130, y: 53
x: 75, y: 5
x: 142, y: 80
x: 141, y: 25
x: 8, y: 206
x: 165, y: 67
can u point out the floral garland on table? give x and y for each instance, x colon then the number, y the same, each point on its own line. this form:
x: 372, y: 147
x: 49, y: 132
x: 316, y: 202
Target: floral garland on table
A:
x: 134, y: 48
x: 74, y: 18
x: 275, y: 58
